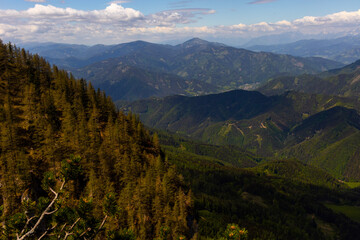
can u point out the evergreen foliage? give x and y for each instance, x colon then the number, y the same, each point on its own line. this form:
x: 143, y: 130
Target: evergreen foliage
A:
x: 73, y: 166
x: 275, y: 200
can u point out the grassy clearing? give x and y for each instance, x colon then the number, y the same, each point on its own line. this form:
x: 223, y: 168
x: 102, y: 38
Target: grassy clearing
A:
x: 352, y: 212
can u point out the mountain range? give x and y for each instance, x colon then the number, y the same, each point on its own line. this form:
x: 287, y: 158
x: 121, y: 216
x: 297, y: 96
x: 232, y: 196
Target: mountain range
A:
x: 344, y: 49
x: 195, y: 66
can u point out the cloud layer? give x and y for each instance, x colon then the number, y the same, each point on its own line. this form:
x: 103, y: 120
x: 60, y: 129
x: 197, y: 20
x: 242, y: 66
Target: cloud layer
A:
x: 116, y: 24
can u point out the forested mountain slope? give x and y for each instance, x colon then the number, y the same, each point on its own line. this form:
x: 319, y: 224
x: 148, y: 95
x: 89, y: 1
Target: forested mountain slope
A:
x: 264, y: 125
x: 276, y: 200
x: 72, y: 166
x: 126, y: 82
x: 341, y: 82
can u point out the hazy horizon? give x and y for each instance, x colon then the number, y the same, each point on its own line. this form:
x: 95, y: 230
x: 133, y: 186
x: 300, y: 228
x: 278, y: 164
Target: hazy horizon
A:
x: 233, y: 23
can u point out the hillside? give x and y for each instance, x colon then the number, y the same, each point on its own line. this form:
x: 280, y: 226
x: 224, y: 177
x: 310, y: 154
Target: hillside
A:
x: 71, y: 165
x: 124, y: 82
x: 212, y: 66
x: 329, y: 140
x: 263, y: 125
x: 276, y: 200
x: 298, y: 171
x: 341, y: 82
x: 280, y: 199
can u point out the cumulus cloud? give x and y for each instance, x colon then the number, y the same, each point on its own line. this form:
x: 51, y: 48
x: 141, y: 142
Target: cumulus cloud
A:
x: 114, y: 14
x: 116, y: 24
x: 340, y: 22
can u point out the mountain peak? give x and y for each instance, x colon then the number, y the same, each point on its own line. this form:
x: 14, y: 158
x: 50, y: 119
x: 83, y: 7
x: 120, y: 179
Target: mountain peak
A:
x: 198, y: 42
x: 194, y: 42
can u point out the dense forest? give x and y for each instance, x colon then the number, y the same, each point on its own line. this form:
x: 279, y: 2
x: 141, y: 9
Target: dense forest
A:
x: 73, y: 167
x: 276, y: 199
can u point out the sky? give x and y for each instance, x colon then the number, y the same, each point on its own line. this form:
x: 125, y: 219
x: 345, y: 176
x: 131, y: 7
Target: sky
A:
x: 229, y: 21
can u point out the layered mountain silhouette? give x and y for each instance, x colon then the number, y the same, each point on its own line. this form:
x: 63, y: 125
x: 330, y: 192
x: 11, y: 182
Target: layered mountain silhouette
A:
x: 205, y: 67
x: 345, y: 49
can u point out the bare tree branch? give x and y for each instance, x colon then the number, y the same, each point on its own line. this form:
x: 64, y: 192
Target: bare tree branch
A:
x: 68, y: 233
x: 62, y: 228
x: 62, y: 185
x: 47, y: 230
x: 26, y: 224
x: 72, y: 226
x: 101, y: 225
x: 52, y: 191
x: 87, y: 230
x: 43, y: 214
x: 52, y: 212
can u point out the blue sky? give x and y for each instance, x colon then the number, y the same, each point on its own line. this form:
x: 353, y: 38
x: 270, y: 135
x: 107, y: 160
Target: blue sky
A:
x: 229, y: 21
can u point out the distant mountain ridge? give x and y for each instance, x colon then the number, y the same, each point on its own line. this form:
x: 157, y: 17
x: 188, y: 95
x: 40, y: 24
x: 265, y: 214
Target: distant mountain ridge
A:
x: 133, y: 83
x: 344, y: 49
x: 209, y: 67
x: 343, y: 82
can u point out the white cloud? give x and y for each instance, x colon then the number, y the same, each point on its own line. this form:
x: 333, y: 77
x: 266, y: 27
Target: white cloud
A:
x: 340, y: 22
x: 112, y: 13
x: 116, y: 24
x: 283, y: 23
